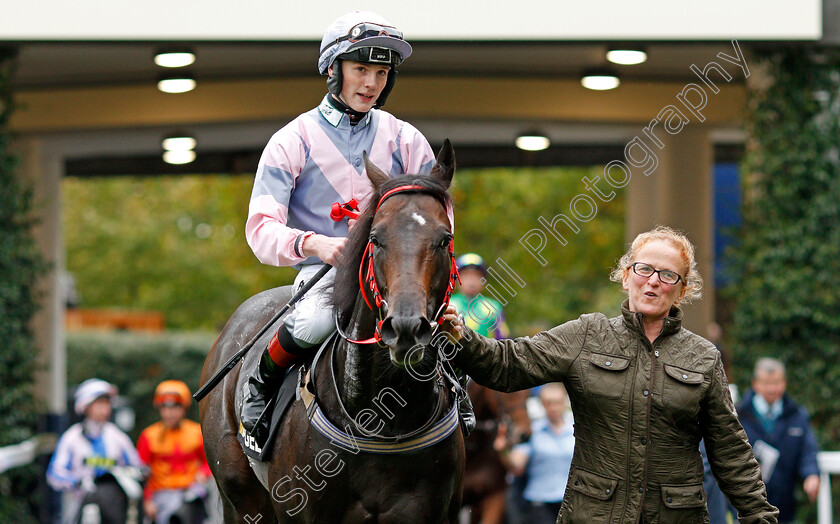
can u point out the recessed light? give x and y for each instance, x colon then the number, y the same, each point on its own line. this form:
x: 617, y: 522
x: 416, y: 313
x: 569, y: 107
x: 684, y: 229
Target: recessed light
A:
x: 174, y: 58
x: 178, y: 157
x: 599, y: 80
x: 626, y: 56
x: 176, y: 84
x: 180, y: 142
x: 532, y: 142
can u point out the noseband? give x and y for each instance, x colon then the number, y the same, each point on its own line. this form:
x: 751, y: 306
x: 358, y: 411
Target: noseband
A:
x: 367, y: 272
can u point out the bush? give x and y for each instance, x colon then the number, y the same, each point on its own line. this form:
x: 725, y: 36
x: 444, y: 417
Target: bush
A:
x: 20, y: 266
x: 137, y: 363
x: 788, y: 258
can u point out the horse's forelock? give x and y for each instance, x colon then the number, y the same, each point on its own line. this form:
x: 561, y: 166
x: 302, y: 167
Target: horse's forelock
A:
x: 347, y: 273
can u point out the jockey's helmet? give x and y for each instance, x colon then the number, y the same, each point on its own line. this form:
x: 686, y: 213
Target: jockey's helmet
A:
x: 471, y: 261
x: 365, y: 37
x: 89, y: 391
x: 172, y: 393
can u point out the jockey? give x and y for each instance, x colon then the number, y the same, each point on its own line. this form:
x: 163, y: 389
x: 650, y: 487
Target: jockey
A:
x: 482, y: 314
x: 313, y: 162
x: 87, y: 453
x: 173, y: 450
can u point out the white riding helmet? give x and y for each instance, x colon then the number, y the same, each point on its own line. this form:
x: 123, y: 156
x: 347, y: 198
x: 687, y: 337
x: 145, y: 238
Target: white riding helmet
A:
x: 90, y: 390
x: 364, y: 37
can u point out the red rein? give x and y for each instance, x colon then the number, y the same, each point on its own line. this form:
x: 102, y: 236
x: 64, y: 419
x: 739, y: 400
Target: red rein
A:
x: 369, y: 276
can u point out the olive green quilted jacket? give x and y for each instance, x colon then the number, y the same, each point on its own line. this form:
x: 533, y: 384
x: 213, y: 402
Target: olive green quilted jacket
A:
x: 640, y: 411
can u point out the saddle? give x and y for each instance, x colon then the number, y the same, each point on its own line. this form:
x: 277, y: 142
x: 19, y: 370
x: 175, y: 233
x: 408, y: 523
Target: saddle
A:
x: 296, y: 385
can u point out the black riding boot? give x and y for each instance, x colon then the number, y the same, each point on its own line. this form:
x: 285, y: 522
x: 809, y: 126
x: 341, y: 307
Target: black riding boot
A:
x: 264, y: 382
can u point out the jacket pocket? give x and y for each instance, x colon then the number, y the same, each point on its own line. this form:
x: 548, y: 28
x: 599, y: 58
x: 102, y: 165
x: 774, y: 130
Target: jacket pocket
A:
x: 589, y: 498
x: 681, y: 390
x: 683, y: 504
x: 607, y: 375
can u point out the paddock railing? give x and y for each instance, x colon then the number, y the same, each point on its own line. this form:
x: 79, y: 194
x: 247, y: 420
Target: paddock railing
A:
x: 829, y: 463
x: 25, y: 452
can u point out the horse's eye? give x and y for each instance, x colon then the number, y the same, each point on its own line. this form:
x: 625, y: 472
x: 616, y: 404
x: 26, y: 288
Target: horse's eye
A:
x: 375, y: 241
x: 445, y: 242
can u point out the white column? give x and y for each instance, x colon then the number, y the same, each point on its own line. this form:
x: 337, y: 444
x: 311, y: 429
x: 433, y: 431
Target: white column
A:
x: 44, y: 173
x: 680, y: 194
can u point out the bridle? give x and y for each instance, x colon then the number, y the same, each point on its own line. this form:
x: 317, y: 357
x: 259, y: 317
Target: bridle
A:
x: 367, y: 273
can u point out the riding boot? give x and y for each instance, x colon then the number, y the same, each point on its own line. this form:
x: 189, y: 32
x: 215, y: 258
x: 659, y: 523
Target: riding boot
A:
x: 282, y: 351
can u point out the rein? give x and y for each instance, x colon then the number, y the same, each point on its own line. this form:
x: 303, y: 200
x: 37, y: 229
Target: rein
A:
x: 369, y: 275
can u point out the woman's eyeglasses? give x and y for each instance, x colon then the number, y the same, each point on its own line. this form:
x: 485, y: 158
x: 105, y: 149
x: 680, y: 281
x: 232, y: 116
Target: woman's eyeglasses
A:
x: 666, y: 276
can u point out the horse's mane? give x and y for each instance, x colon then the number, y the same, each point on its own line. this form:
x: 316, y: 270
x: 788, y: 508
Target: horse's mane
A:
x: 346, y: 288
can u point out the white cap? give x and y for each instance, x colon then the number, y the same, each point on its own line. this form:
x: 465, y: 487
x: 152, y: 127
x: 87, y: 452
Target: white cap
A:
x: 335, y: 43
x: 90, y: 390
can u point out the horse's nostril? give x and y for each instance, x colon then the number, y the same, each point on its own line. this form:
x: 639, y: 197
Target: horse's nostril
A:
x: 406, y: 329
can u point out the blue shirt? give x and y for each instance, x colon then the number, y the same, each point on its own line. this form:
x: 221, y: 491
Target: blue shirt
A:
x: 549, y: 460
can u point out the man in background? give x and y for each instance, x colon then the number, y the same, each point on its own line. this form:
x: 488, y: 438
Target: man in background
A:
x: 780, y: 433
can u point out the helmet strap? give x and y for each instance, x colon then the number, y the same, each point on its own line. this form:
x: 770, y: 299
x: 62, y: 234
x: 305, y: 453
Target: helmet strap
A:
x: 334, y: 82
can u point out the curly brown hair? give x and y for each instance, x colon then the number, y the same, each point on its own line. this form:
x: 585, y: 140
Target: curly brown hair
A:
x: 693, y: 281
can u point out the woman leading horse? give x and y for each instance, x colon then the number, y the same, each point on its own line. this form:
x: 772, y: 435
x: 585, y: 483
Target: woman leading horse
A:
x: 383, y: 443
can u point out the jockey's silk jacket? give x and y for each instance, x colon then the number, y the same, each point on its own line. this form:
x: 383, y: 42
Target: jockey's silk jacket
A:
x: 640, y: 410
x: 315, y: 161
x: 86, y: 451
x: 174, y: 456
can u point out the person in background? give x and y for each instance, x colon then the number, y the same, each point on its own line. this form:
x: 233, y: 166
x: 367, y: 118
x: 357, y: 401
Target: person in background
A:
x: 482, y: 314
x: 783, y: 441
x: 173, y: 450
x: 546, y: 458
x: 312, y: 171
x: 86, y: 455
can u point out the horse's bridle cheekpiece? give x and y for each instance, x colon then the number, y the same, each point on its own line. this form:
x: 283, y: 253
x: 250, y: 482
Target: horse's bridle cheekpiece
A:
x: 369, y: 275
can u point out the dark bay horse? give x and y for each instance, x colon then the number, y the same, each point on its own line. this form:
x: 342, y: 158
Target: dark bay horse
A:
x: 385, y: 396
x: 484, y: 479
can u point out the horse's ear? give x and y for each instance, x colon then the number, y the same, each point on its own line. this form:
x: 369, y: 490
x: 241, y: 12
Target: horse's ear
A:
x: 445, y: 167
x: 375, y: 175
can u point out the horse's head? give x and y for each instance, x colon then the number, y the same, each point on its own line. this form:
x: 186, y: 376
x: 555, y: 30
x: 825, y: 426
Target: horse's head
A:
x: 408, y: 254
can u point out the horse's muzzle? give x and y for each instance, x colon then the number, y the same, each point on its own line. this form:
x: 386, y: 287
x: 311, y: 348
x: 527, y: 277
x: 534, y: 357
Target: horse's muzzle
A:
x: 403, y: 335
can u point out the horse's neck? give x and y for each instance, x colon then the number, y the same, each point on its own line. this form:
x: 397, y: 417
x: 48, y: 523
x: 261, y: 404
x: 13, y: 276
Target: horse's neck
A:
x: 367, y: 380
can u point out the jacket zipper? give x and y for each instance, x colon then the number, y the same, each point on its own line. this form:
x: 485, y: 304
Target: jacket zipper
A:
x: 653, y: 361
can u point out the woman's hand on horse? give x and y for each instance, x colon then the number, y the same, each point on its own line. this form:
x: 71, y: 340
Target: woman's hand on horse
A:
x: 453, y: 323
x: 328, y: 249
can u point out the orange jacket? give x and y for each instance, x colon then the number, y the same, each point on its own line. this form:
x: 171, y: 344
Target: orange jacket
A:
x: 174, y: 456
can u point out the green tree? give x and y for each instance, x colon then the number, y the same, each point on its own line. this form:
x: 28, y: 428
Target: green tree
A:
x: 789, y: 253
x: 176, y: 244
x: 496, y: 207
x: 20, y: 267
x: 169, y: 244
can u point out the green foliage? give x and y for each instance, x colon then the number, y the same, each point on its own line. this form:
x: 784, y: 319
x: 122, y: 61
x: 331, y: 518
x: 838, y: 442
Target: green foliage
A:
x: 495, y: 208
x: 137, y: 364
x: 177, y: 245
x: 169, y: 244
x: 789, y: 253
x: 20, y: 266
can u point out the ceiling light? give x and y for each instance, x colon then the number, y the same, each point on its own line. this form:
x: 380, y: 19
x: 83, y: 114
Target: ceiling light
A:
x: 532, y: 142
x: 174, y: 58
x: 176, y: 84
x: 178, y: 142
x: 600, y: 80
x: 179, y: 157
x: 626, y: 56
